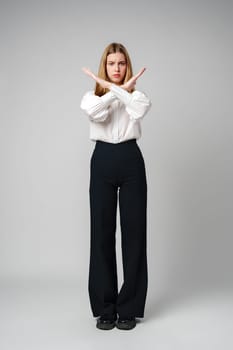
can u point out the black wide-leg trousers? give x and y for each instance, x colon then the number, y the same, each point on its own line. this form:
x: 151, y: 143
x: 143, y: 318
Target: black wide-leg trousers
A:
x: 118, y: 171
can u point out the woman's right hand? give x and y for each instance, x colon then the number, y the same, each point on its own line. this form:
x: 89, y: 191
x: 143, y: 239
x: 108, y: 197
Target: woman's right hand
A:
x: 104, y: 83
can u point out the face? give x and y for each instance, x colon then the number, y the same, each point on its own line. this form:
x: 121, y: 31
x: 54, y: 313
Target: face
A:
x: 116, y: 67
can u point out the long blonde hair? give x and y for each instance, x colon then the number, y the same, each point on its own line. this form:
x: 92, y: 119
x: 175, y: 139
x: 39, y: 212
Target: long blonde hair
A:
x: 102, y: 73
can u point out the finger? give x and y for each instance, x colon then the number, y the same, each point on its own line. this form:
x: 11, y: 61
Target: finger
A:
x: 89, y: 72
x: 85, y: 69
x: 140, y: 73
x: 142, y: 70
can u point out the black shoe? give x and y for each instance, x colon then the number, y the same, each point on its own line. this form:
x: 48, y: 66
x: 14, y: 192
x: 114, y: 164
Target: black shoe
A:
x: 126, y: 323
x: 106, y: 322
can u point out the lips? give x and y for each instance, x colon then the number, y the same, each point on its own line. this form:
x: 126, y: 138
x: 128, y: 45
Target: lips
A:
x: 116, y: 75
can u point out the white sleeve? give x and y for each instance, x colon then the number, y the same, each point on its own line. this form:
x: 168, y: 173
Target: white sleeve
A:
x: 96, y: 107
x: 137, y: 103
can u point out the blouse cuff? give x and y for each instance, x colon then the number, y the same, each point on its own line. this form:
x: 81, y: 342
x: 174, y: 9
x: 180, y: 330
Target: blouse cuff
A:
x: 108, y: 97
x: 121, y: 93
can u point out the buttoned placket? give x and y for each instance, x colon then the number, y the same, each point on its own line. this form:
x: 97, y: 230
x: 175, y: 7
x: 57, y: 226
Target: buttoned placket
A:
x: 116, y: 123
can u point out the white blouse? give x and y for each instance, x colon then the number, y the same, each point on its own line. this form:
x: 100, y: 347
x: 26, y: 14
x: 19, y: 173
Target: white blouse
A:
x: 115, y: 116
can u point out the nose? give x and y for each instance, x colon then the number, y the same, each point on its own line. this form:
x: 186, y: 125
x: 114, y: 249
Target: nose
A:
x: 117, y: 68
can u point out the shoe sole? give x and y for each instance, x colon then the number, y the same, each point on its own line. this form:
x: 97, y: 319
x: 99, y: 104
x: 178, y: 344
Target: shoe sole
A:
x: 105, y: 327
x: 125, y: 327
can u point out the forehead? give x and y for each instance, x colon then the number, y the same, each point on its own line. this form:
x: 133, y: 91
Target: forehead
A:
x: 118, y: 56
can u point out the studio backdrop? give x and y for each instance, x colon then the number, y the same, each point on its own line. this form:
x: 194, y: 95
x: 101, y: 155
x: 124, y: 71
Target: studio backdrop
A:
x: 186, y: 136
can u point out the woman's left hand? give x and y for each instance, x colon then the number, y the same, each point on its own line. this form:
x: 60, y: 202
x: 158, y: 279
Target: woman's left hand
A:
x: 104, y: 83
x: 130, y: 84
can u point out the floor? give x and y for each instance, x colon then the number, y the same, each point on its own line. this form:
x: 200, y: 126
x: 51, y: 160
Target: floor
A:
x: 36, y: 316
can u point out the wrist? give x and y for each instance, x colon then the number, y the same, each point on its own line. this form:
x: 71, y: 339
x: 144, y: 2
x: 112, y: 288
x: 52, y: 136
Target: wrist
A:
x: 123, y: 87
x: 128, y: 89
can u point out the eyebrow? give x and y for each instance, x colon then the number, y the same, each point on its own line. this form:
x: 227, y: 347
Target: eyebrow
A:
x: 114, y: 61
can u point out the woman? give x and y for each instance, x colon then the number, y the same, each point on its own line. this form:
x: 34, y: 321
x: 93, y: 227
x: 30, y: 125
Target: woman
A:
x: 115, y: 110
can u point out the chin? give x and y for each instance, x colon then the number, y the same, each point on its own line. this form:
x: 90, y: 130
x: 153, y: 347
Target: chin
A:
x: 117, y: 81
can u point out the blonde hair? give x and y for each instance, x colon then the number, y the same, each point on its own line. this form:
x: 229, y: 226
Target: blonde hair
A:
x: 102, y: 73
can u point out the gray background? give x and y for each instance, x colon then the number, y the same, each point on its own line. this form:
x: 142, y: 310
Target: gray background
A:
x: 186, y: 142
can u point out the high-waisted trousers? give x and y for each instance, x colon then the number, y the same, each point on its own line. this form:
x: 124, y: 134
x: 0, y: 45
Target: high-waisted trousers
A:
x: 118, y: 171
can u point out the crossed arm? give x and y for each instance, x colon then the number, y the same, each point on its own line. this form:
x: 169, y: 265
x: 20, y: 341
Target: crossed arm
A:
x: 137, y: 103
x: 128, y: 86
